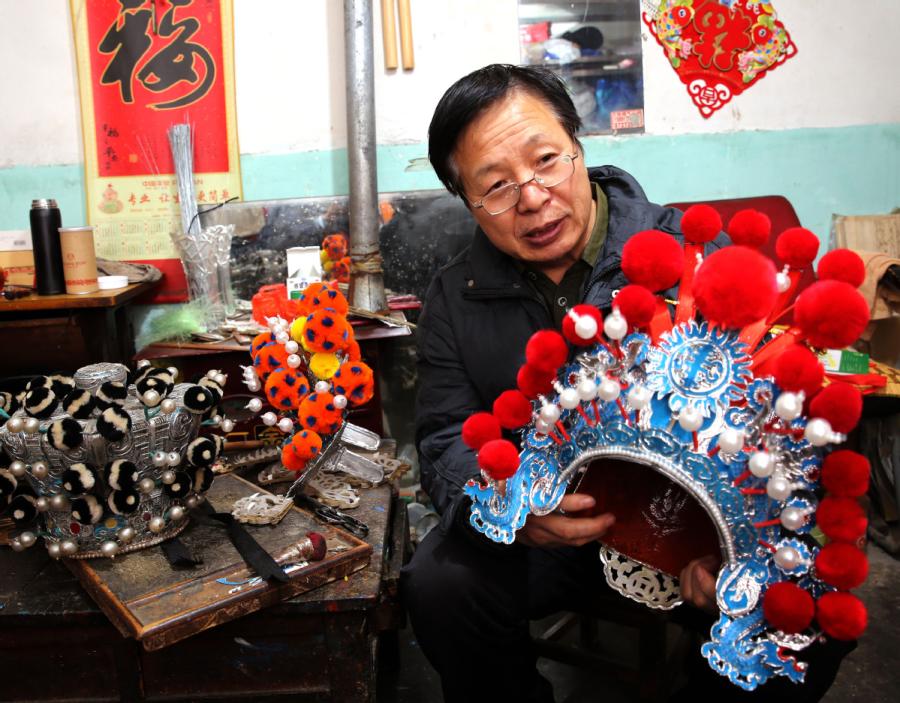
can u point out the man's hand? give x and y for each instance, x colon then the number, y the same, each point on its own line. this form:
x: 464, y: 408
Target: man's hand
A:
x: 698, y: 584
x: 557, y: 530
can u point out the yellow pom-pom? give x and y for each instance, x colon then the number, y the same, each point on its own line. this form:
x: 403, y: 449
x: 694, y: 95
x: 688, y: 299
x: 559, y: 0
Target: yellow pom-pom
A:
x: 323, y: 257
x: 324, y: 365
x: 297, y: 328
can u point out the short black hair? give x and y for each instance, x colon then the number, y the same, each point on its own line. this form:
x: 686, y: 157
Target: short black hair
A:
x: 471, y: 95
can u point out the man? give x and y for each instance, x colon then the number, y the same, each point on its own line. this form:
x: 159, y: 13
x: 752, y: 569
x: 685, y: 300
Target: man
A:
x: 550, y: 235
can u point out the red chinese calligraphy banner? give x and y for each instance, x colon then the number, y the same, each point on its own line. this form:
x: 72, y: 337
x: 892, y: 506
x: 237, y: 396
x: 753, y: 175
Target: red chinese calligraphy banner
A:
x: 719, y: 48
x: 144, y: 65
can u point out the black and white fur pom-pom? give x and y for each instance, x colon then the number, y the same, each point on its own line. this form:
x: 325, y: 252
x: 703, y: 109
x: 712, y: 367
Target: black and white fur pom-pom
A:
x: 114, y: 423
x: 39, y: 382
x: 199, y: 400
x: 65, y: 434
x: 87, y: 510
x: 180, y: 487
x: 79, y: 404
x: 8, y: 402
x: 111, y: 393
x: 23, y: 508
x: 40, y: 402
x: 79, y: 479
x: 203, y: 478
x: 201, y: 452
x: 123, y: 502
x: 61, y: 385
x: 121, y: 474
x: 159, y: 380
x: 8, y: 485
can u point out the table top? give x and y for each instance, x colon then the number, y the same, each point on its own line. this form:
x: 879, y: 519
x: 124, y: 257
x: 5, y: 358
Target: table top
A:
x: 100, y: 299
x: 34, y: 586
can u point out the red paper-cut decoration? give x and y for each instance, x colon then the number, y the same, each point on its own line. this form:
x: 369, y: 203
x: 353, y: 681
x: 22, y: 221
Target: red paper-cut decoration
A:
x: 719, y: 48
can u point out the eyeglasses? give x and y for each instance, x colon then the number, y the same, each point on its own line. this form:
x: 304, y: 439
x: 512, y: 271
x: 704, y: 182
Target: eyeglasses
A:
x: 548, y: 175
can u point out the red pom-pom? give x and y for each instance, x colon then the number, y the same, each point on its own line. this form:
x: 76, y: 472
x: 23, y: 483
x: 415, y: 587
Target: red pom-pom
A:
x: 787, y: 607
x: 842, y: 565
x: 841, y: 615
x: 569, y: 324
x: 499, y: 459
x: 842, y: 265
x: 798, y: 369
x: 479, y: 429
x: 701, y: 223
x: 512, y: 409
x: 750, y: 228
x: 797, y: 247
x: 319, y: 546
x: 846, y: 474
x: 840, y: 404
x: 546, y: 350
x: 841, y: 519
x: 290, y: 460
x: 533, y: 381
x: 831, y: 314
x: 637, y: 305
x: 653, y: 259
x: 735, y: 286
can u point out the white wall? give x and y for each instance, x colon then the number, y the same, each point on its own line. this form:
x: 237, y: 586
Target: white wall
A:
x: 290, y: 89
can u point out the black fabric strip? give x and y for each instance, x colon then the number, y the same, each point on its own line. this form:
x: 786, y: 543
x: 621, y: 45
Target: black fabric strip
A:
x: 251, y: 552
x: 178, y: 554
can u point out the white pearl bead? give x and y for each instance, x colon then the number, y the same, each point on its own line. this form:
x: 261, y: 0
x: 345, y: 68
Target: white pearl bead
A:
x: 253, y: 386
x: 293, y: 361
x: 16, y: 545
x: 569, y: 399
x: 176, y: 513
x: 541, y: 426
x: 549, y: 413
x: 778, y: 488
x: 172, y: 370
x: 291, y: 347
x: 249, y: 373
x: 227, y: 425
x: 639, y: 397
x: 27, y: 539
x: 783, y: 281
x: 269, y: 418
x: 818, y: 432
x: 32, y: 425
x: 173, y: 458
x: 15, y: 424
x: 156, y: 525
x: 168, y: 477
x: 323, y: 386
x: 221, y: 379
x: 146, y: 485
x: 586, y: 327
x: 587, y: 389
x: 216, y: 419
x: 761, y: 464
x: 59, y: 502
x: 615, y: 326
x: 609, y: 390
x: 731, y: 440
x: 42, y: 504
x: 159, y: 458
x: 271, y: 322
x: 690, y: 419
x: 789, y: 406
x: 255, y: 405
x: 109, y: 548
x: 53, y: 550
x: 68, y: 547
x: 792, y: 518
x: 126, y: 534
x: 143, y: 363
x: 168, y: 406
x: 192, y: 502
x: 282, y: 337
x: 285, y: 424
x: 39, y: 470
x: 17, y: 468
x: 787, y: 558
x: 150, y: 398
x: 211, y: 374
x: 340, y: 402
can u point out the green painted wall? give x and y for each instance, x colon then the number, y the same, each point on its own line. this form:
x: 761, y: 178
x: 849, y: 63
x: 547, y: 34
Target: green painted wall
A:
x: 849, y: 170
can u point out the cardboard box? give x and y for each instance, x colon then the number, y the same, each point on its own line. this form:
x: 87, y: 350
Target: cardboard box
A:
x: 16, y: 258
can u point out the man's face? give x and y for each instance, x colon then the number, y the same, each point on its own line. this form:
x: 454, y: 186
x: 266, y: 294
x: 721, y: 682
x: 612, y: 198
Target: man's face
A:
x: 548, y: 228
